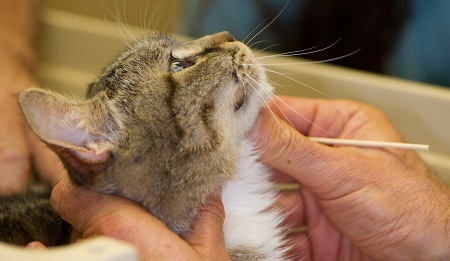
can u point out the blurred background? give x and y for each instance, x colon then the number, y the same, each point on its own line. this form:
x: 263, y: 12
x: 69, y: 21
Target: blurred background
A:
x: 403, y: 38
x: 400, y: 65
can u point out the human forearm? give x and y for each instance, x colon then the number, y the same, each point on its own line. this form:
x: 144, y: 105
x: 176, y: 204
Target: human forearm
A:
x: 17, y: 28
x: 435, y: 243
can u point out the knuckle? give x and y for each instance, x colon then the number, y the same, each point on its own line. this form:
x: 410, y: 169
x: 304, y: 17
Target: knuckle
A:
x: 13, y: 156
x: 215, y: 208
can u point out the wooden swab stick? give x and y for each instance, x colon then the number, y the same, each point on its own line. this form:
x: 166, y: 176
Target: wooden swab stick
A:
x: 368, y: 143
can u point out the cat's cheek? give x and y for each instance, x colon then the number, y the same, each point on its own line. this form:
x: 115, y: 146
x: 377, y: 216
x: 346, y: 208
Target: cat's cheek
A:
x: 81, y: 172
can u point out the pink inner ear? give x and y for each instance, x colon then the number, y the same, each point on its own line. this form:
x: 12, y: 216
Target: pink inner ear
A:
x: 54, y: 118
x: 60, y: 122
x: 90, y: 155
x: 85, y: 166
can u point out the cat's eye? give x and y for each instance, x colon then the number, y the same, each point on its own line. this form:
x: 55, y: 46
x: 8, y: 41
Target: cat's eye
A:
x: 178, y: 65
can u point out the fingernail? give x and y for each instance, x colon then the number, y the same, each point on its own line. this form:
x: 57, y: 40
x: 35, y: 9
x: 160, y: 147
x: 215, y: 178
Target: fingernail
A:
x: 35, y: 245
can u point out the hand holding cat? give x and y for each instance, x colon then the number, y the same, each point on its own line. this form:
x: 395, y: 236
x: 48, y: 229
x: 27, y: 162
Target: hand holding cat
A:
x: 355, y: 202
x: 96, y: 214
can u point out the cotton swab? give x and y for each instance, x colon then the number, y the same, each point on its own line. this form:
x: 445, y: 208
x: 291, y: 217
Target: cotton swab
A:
x: 368, y: 143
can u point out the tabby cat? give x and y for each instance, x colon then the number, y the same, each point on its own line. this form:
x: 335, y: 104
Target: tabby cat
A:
x: 166, y: 125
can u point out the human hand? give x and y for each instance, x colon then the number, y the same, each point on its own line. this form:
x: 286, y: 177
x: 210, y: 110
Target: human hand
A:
x: 94, y: 214
x: 356, y: 202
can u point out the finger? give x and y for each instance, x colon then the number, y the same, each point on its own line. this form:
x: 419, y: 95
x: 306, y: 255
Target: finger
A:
x: 300, y: 113
x: 95, y: 214
x: 335, y: 118
x: 281, y: 177
x: 14, y: 154
x: 207, y: 236
x: 292, y: 207
x: 283, y: 148
x: 315, y: 117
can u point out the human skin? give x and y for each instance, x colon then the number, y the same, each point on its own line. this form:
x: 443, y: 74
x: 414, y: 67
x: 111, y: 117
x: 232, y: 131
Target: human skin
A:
x: 94, y: 214
x: 20, y: 150
x: 357, y: 203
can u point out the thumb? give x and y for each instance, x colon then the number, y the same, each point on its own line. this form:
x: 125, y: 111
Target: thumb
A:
x: 207, y: 231
x: 285, y: 149
x: 94, y: 213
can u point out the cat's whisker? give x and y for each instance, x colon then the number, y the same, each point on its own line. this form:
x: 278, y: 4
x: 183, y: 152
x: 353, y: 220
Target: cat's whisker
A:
x: 118, y: 36
x: 300, y: 115
x: 256, y: 90
x: 267, y: 105
x: 278, y: 99
x: 152, y: 21
x: 261, y: 50
x: 127, y: 26
x: 309, y: 61
x: 244, y: 40
x: 123, y: 37
x: 172, y: 20
x: 273, y: 20
x: 297, y: 81
x: 276, y: 85
x: 251, y: 84
x: 300, y: 52
x: 291, y: 53
x: 119, y: 20
x: 157, y: 16
x: 143, y: 20
x: 255, y: 43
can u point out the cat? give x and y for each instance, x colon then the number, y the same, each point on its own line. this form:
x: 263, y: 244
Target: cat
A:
x: 30, y: 217
x: 166, y: 125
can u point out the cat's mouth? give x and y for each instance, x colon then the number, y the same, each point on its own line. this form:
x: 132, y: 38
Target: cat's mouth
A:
x: 240, y: 101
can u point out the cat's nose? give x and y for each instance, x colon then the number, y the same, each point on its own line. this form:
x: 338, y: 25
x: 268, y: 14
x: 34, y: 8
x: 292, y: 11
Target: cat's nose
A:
x: 191, y: 48
x: 229, y: 37
x: 223, y: 37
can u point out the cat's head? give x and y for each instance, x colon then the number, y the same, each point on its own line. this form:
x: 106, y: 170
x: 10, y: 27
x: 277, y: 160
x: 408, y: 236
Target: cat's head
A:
x: 162, y: 125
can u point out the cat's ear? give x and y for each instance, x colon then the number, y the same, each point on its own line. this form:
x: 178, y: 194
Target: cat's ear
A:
x: 63, y: 123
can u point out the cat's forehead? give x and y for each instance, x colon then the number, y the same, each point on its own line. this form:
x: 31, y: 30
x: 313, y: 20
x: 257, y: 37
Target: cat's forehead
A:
x: 158, y: 41
x: 149, y: 60
x: 144, y: 58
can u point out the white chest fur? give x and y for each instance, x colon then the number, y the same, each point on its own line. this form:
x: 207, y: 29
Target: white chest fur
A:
x: 249, y: 221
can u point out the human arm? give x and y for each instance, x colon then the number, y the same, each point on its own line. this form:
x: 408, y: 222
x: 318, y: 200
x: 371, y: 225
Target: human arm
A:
x: 356, y: 202
x: 18, y: 146
x: 95, y: 214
